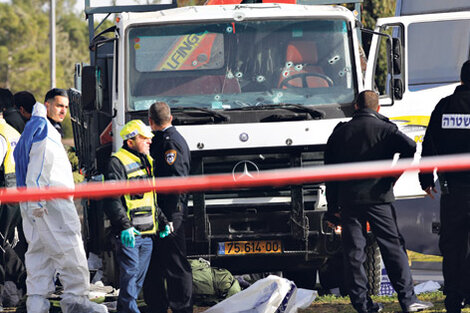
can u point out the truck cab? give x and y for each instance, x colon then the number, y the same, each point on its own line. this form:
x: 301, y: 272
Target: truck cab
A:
x: 252, y: 87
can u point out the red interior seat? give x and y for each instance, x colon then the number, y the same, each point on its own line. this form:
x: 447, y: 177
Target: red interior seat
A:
x: 302, y: 57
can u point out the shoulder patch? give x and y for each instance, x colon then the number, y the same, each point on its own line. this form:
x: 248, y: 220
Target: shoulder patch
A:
x: 170, y: 156
x: 455, y: 121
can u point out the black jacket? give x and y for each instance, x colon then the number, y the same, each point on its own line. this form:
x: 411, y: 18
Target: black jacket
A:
x: 368, y: 136
x: 115, y: 208
x: 448, y: 132
x: 14, y: 118
x: 172, y: 157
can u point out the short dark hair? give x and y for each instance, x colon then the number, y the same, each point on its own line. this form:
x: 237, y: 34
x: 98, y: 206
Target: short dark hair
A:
x: 25, y: 99
x: 465, y: 73
x: 6, y: 99
x: 160, y: 113
x: 54, y: 92
x: 367, y: 99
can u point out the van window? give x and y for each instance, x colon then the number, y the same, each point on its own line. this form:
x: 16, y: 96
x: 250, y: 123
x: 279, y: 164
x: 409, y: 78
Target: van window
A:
x: 437, y: 51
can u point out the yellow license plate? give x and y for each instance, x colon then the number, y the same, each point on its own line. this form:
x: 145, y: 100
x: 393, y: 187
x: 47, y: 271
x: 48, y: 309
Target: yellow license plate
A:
x: 249, y: 247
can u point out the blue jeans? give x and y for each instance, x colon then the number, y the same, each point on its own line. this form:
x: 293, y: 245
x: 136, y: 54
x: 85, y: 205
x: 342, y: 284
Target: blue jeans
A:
x: 133, y: 265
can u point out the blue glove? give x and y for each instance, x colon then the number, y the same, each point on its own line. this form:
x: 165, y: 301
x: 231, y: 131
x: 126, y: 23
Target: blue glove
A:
x: 128, y: 237
x: 168, y: 230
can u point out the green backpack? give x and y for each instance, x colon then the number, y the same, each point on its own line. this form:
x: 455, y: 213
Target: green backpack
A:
x: 210, y: 284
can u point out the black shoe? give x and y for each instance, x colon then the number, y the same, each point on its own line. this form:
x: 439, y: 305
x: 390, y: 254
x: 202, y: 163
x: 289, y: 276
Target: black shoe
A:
x: 418, y: 306
x: 375, y: 307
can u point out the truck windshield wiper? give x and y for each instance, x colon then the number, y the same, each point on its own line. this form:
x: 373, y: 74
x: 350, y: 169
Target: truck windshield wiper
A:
x: 197, y: 115
x: 314, y: 113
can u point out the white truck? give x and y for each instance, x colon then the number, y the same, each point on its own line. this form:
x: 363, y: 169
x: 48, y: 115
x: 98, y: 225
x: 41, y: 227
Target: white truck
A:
x: 252, y: 87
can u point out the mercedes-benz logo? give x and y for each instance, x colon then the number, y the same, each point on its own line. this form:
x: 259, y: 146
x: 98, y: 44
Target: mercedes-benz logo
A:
x: 244, y: 169
x: 243, y: 137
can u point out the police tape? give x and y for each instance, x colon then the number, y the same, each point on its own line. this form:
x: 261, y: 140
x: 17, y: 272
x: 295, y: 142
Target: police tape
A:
x: 292, y: 176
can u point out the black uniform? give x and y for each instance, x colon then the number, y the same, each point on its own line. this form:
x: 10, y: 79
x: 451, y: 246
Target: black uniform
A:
x: 369, y: 136
x: 14, y: 118
x: 448, y: 132
x: 12, y: 252
x: 171, y: 158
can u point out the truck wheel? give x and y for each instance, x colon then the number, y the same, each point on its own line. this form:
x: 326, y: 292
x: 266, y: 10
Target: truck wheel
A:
x: 373, y: 265
x: 331, y: 273
x: 303, y: 279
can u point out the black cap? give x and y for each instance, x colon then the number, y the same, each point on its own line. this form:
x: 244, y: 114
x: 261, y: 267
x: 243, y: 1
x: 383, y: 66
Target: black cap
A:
x: 465, y: 73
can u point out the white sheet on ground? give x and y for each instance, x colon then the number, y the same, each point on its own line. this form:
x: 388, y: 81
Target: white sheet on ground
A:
x: 267, y: 295
x: 427, y: 286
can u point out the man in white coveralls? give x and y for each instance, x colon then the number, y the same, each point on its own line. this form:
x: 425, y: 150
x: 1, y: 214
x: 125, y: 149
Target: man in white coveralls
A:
x: 51, y: 228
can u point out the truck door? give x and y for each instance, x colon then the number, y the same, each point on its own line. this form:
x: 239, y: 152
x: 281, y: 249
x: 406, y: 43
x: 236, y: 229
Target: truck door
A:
x: 428, y: 55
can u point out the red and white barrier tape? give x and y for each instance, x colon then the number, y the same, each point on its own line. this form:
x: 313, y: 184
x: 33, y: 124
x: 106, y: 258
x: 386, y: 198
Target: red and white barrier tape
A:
x: 95, y: 190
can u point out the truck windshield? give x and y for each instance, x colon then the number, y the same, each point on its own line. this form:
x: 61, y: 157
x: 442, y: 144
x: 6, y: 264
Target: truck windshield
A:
x: 241, y: 64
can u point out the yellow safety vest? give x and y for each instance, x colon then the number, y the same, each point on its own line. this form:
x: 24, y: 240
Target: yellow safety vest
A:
x: 11, y: 136
x: 141, y: 209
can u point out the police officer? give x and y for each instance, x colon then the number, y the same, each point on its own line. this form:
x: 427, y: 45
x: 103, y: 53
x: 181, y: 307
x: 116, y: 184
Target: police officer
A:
x: 448, y: 132
x: 172, y: 158
x: 10, y: 113
x: 10, y: 215
x: 133, y: 217
x: 9, y: 136
x: 369, y: 136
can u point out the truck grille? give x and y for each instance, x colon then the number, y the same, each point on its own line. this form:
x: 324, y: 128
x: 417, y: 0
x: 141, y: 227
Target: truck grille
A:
x: 262, y: 212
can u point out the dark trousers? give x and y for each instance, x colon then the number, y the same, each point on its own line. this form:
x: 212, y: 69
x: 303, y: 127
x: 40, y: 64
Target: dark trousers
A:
x: 454, y: 244
x: 169, y: 264
x: 382, y: 220
x: 12, y: 259
x: 133, y: 265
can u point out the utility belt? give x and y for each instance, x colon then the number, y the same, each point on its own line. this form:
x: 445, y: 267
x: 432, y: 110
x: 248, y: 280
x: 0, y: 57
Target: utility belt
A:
x: 146, y: 236
x: 142, y: 219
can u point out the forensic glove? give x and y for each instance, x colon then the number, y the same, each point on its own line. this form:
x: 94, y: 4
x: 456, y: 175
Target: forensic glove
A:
x: 128, y: 237
x: 168, y: 230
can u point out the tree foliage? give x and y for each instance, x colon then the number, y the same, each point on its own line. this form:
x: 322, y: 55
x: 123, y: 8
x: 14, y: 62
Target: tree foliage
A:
x: 25, y: 46
x: 371, y: 10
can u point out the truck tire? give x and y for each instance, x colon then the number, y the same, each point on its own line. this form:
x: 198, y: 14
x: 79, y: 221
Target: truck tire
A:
x: 373, y: 265
x: 331, y: 273
x: 306, y: 278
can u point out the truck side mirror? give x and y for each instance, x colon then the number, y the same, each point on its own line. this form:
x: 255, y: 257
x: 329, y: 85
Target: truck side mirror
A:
x: 397, y: 89
x: 92, y: 95
x: 396, y: 52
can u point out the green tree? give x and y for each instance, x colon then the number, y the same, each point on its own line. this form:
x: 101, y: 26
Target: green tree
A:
x: 371, y: 10
x: 23, y: 47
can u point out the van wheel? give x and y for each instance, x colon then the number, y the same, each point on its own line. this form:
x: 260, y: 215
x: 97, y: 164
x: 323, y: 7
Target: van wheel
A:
x: 303, y: 279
